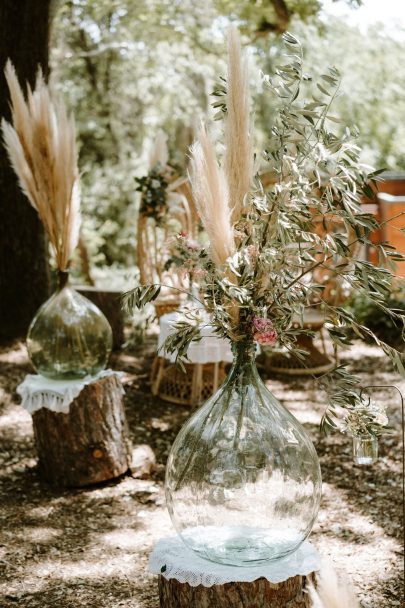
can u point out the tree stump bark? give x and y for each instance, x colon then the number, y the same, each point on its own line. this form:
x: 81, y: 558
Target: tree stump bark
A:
x: 89, y: 444
x: 258, y: 594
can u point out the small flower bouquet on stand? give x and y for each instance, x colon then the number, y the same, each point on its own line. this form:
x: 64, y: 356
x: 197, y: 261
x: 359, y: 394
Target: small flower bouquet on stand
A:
x: 243, y: 481
x: 166, y: 207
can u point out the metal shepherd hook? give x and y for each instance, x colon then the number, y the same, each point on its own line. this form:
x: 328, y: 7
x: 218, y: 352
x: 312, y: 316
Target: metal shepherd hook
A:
x: 377, y: 386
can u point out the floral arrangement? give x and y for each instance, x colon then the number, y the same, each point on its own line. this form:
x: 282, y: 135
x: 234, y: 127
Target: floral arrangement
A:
x: 159, y: 186
x: 185, y: 255
x: 165, y: 208
x: 153, y: 187
x: 258, y: 273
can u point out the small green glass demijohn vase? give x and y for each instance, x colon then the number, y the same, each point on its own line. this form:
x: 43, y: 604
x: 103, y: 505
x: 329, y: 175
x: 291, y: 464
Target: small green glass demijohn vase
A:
x: 243, y: 481
x: 69, y: 337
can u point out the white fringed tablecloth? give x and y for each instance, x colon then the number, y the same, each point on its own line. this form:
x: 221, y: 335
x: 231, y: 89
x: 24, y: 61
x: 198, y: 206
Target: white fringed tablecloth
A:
x: 37, y: 391
x: 210, y: 349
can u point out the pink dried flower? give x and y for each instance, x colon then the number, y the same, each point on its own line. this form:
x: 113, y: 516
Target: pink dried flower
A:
x: 262, y: 324
x: 268, y: 337
x: 265, y: 332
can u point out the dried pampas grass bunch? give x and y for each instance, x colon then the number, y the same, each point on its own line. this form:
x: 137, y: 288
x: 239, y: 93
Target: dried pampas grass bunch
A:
x: 210, y: 193
x: 42, y: 149
x: 238, y: 158
x: 331, y: 592
x: 219, y: 192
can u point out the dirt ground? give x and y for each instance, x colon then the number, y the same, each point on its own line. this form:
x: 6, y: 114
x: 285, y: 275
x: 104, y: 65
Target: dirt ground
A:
x: 90, y: 547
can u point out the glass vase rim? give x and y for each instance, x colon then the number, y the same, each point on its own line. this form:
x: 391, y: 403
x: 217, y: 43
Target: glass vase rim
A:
x: 365, y: 436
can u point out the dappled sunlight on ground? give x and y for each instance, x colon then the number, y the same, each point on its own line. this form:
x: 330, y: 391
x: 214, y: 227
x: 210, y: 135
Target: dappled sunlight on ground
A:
x: 90, y: 547
x: 16, y: 354
x: 13, y: 418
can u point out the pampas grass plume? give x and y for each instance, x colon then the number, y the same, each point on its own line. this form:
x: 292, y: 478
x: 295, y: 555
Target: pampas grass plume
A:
x: 332, y: 592
x: 211, y: 197
x: 41, y: 146
x: 238, y: 157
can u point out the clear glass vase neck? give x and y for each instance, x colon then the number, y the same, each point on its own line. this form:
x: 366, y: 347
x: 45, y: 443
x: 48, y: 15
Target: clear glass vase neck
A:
x: 62, y: 279
x: 243, y: 370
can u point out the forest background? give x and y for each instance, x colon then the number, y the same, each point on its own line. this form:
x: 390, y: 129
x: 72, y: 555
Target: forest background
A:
x: 128, y: 68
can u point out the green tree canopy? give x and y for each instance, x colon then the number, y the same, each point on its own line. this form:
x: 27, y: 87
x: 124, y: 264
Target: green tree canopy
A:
x: 128, y: 68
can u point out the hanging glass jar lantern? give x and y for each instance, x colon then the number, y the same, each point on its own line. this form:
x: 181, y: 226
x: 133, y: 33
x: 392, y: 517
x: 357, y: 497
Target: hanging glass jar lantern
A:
x: 69, y: 336
x: 365, y: 449
x: 243, y: 482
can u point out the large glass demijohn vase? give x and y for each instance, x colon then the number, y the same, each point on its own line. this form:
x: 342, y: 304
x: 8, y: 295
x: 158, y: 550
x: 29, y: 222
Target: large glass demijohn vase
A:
x: 69, y: 337
x: 243, y: 482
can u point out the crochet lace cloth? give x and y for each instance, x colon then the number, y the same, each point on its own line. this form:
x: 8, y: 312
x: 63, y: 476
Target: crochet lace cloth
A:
x: 172, y: 559
x: 37, y: 391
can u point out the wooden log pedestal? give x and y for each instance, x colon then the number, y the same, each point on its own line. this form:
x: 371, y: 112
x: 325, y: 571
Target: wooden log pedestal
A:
x: 89, y: 443
x: 257, y: 594
x: 187, y: 581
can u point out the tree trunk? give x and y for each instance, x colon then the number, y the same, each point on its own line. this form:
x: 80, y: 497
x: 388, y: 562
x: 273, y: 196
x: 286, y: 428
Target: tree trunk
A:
x: 24, y: 276
x: 89, y: 444
x: 85, y: 261
x: 109, y: 302
x: 258, y: 594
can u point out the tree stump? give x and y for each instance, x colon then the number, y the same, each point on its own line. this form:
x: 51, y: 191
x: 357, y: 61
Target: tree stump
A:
x: 89, y: 444
x: 258, y: 594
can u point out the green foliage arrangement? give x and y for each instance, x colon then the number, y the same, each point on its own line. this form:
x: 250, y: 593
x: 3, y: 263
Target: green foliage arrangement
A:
x: 258, y: 271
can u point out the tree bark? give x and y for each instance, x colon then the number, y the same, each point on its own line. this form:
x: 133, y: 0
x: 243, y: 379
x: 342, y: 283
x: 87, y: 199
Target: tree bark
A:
x: 283, y: 16
x: 288, y: 594
x: 85, y: 261
x: 89, y: 444
x: 109, y: 302
x: 24, y: 275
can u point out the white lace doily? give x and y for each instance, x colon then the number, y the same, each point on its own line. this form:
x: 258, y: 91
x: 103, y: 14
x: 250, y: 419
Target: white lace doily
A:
x: 56, y: 395
x: 172, y: 559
